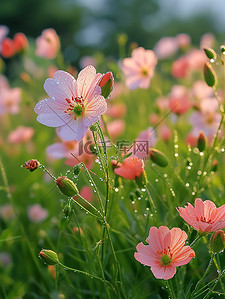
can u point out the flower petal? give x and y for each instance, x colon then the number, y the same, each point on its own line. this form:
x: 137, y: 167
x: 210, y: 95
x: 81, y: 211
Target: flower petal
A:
x: 63, y: 86
x: 163, y: 272
x: 50, y: 113
x: 73, y: 130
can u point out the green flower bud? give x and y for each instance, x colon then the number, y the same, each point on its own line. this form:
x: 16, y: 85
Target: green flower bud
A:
x: 210, y: 53
x: 202, y: 141
x: 158, y: 157
x: 222, y: 48
x: 49, y: 257
x: 66, y: 186
x: 217, y: 241
x: 209, y: 75
x: 77, y: 169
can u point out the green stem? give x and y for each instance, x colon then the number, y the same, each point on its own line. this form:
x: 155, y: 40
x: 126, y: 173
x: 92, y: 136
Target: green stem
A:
x: 82, y: 207
x: 94, y: 185
x: 88, y: 203
x: 219, y: 272
x: 170, y: 289
x: 86, y: 273
x: 204, y: 275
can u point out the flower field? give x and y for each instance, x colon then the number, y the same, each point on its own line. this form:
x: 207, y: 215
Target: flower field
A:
x: 112, y: 173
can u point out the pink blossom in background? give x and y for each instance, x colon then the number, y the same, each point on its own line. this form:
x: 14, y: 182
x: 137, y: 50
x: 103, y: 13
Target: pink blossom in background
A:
x: 65, y: 149
x: 191, y: 139
x: 20, y: 41
x: 154, y: 118
x: 165, y: 132
x: 73, y: 105
x: 162, y: 103
x: 165, y: 252
x: 118, y: 90
x: 180, y: 68
x: 9, y: 98
x: 204, y: 216
x: 5, y: 259
x: 145, y: 140
x: 87, y: 60
x: 130, y: 168
x: 116, y: 127
x: 7, y: 48
x: 7, y: 212
x: 207, y: 119
x: 139, y: 69
x: 166, y: 47
x: 36, y: 213
x: 117, y: 110
x: 20, y: 135
x: 47, y: 44
x: 86, y: 192
x: 200, y: 90
x: 207, y: 41
x: 196, y: 59
x: 52, y: 69
x: 183, y: 40
x: 179, y: 101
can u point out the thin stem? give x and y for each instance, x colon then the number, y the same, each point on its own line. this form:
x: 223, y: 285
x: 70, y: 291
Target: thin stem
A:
x: 94, y: 185
x: 82, y: 207
x: 88, y: 203
x: 204, y: 275
x: 219, y: 272
x: 46, y: 170
x: 87, y: 274
x: 170, y: 289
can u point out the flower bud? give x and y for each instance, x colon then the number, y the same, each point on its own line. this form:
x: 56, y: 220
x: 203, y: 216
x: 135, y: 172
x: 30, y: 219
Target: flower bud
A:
x: 49, y: 257
x: 158, y: 157
x: 77, y: 169
x: 67, y: 210
x: 210, y: 53
x: 106, y: 84
x: 222, y: 49
x: 93, y: 127
x: 66, y: 186
x: 8, y: 48
x: 202, y: 140
x: 217, y: 241
x: 32, y: 164
x: 209, y: 75
x: 20, y: 41
x: 214, y: 165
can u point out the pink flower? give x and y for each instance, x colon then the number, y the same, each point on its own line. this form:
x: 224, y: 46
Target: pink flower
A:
x: 207, y: 119
x: 20, y: 135
x: 73, y: 105
x: 145, y: 140
x: 166, y: 47
x: 85, y: 192
x: 165, y: 252
x: 207, y: 40
x: 20, y: 41
x: 165, y: 132
x: 9, y: 98
x: 36, y: 213
x: 196, y: 59
x: 180, y: 68
x: 117, y: 110
x: 139, y: 69
x: 204, y: 216
x: 200, y: 90
x: 179, y: 101
x: 130, y: 168
x: 183, y: 40
x: 116, y: 127
x: 48, y: 44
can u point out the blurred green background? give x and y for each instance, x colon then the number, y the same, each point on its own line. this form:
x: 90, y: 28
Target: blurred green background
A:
x: 88, y: 26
